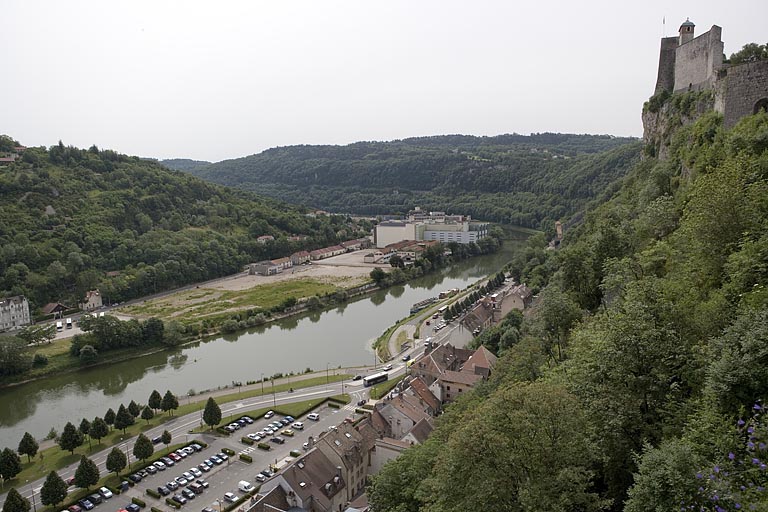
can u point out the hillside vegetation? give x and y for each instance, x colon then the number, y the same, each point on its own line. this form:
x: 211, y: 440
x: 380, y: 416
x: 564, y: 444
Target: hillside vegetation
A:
x: 639, y: 381
x: 69, y: 216
x: 522, y: 180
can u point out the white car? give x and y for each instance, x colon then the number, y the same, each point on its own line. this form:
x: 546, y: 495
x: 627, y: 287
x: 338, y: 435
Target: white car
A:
x: 261, y: 478
x: 159, y: 465
x: 105, y: 493
x: 313, y: 416
x: 298, y: 425
x: 196, y: 472
x: 254, y: 437
x: 230, y: 497
x: 269, y: 414
x: 388, y: 367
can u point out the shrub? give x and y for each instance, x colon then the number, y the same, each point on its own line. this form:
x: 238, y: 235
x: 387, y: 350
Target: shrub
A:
x: 264, y: 446
x: 295, y: 453
x: 153, y: 509
x: 228, y: 451
x: 39, y: 360
x: 362, y: 411
x: 246, y: 440
x: 333, y: 405
x: 246, y: 458
x: 153, y: 493
x: 172, y: 503
x: 139, y: 502
x: 221, y: 430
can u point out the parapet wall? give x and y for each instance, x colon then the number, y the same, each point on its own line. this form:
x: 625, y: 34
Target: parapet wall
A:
x: 739, y: 89
x: 698, y: 60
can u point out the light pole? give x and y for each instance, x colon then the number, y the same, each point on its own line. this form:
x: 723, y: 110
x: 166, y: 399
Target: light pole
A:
x: 274, y: 400
x: 262, y: 384
x: 326, y: 375
x: 34, y: 505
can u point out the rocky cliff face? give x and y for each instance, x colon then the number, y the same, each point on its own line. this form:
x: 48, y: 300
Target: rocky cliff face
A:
x: 663, y: 114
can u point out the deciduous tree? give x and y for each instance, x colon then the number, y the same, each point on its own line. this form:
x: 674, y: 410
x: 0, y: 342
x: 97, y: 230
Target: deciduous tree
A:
x: 116, y: 461
x: 28, y: 446
x: 54, y: 490
x: 70, y: 438
x: 143, y: 448
x: 86, y: 474
x: 170, y: 403
x: 212, y: 413
x: 123, y: 418
x: 15, y: 502
x: 10, y: 464
x: 99, y: 429
x: 155, y: 399
x: 147, y: 414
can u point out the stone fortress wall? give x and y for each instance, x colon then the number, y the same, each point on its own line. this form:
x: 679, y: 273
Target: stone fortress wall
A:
x: 688, y: 63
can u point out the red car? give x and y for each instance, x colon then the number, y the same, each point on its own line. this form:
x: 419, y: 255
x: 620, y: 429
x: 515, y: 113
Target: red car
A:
x: 174, y: 456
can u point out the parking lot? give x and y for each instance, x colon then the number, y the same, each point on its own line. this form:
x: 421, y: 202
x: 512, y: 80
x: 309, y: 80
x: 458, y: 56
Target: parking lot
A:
x: 220, y: 478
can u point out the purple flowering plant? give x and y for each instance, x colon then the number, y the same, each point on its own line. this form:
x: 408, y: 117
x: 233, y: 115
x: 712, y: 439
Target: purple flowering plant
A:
x: 738, y: 482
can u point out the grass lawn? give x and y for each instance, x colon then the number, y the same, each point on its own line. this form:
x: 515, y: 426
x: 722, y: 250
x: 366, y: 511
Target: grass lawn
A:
x: 205, y: 303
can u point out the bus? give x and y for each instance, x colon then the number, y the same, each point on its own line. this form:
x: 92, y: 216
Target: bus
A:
x: 442, y: 310
x: 375, y: 379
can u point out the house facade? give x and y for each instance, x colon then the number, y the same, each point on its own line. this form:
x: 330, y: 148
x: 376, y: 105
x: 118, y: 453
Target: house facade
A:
x: 92, y: 301
x: 14, y: 313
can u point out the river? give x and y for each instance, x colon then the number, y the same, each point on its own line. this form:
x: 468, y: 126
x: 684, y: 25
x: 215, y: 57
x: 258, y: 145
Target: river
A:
x: 336, y: 337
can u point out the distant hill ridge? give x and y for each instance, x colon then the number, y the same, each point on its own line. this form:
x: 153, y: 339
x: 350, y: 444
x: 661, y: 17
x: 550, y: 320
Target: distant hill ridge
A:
x: 528, y: 180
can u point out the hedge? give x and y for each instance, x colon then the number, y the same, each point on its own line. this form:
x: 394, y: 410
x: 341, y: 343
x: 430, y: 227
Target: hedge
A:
x: 228, y: 451
x: 153, y: 493
x: 333, y: 405
x: 172, y: 503
x: 295, y: 453
x: 264, y: 446
x: 153, y: 509
x: 362, y: 411
x: 220, y: 430
x: 139, y: 502
x: 246, y: 440
x: 246, y: 458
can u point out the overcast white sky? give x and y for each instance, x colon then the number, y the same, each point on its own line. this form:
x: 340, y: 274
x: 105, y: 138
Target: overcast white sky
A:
x: 216, y: 80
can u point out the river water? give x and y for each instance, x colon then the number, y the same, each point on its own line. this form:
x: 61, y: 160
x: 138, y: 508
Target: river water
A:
x: 337, y: 337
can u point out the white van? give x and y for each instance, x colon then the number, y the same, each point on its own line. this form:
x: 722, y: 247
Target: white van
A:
x: 69, y: 323
x: 59, y: 326
x: 244, y: 486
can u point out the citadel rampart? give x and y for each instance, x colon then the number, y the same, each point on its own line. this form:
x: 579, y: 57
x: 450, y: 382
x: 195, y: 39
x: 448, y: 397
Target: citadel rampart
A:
x: 694, y: 64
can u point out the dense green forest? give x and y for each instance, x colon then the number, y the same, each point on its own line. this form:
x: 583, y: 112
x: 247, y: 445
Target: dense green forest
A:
x: 69, y: 216
x: 639, y: 381
x: 522, y: 180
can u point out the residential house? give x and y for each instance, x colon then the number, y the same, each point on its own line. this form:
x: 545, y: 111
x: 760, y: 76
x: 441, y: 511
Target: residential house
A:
x: 327, y: 252
x: 263, y: 239
x: 282, y: 263
x: 436, y: 361
x: 373, y: 257
x: 301, y: 257
x: 452, y: 384
x: 386, y: 449
x: 311, y: 482
x: 521, y: 297
x: 92, y: 301
x: 54, y: 308
x: 418, y: 388
x: 346, y: 448
x: 419, y: 433
x: 402, y: 413
x: 14, y: 313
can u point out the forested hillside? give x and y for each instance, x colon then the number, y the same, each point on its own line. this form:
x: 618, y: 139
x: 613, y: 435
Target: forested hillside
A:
x: 70, y: 216
x: 639, y: 381
x: 515, y: 179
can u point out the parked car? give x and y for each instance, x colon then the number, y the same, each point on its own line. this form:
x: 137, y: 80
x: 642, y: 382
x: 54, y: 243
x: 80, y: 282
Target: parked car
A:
x: 313, y: 416
x: 267, y: 473
x: 298, y: 425
x: 132, y: 507
x: 407, y: 357
x: 195, y: 471
x: 178, y: 498
x: 105, y: 493
x: 204, y: 467
x: 196, y: 447
x: 189, y: 494
x: 261, y: 478
x: 181, y: 480
x: 288, y: 432
x: 159, y: 465
x: 216, y: 460
x: 305, y: 446
x: 172, y: 485
x: 142, y: 473
x: 86, y: 504
x: 181, y: 453
x: 188, y: 476
x: 230, y: 497
x: 163, y: 490
x: 362, y: 402
x: 244, y: 486
x: 208, y: 462
x: 174, y: 456
x: 269, y: 414
x: 188, y: 450
x: 196, y: 488
x: 278, y: 440
x: 95, y: 498
x: 135, y: 478
x: 168, y: 461
x: 75, y: 508
x: 151, y: 469
x: 202, y: 482
x: 248, y: 420
x: 222, y: 456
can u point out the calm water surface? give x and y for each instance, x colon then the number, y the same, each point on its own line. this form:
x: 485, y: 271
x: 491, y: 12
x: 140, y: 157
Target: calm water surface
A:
x: 335, y: 337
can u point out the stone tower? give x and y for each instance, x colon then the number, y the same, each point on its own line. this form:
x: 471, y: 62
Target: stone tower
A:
x: 686, y: 31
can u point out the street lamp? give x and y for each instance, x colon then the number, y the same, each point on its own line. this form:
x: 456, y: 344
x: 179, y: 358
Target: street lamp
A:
x: 262, y: 384
x: 34, y: 505
x: 326, y: 375
x: 274, y: 402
